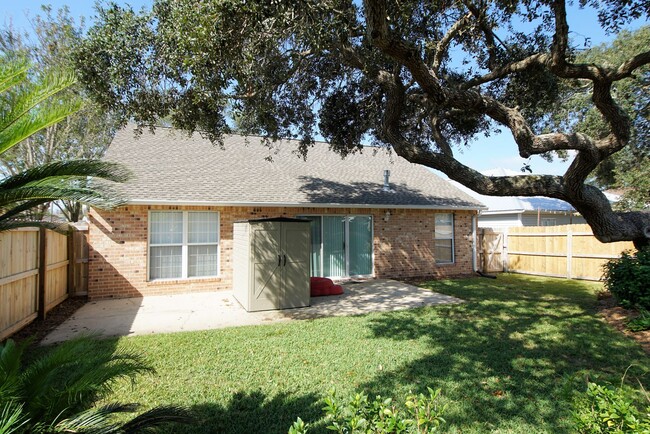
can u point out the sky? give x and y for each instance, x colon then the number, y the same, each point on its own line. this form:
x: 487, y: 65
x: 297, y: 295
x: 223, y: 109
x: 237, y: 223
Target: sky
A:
x: 498, y: 151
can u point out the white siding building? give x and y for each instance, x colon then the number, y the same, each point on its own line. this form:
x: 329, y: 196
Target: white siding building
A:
x: 508, y: 211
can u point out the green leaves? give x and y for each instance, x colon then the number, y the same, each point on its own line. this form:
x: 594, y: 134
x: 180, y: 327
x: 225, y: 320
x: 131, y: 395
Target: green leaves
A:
x: 55, y: 391
x: 640, y: 323
x: 12, y: 73
x: 627, y: 278
x: 602, y: 409
x: 422, y: 77
x: 31, y: 107
x: 27, y: 107
x: 359, y: 415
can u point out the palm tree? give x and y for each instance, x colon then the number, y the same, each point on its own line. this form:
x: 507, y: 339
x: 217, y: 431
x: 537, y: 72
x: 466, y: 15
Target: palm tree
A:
x: 54, y: 392
x: 29, y: 103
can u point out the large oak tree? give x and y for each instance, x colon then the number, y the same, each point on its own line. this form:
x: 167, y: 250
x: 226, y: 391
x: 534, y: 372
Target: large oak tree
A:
x: 423, y: 77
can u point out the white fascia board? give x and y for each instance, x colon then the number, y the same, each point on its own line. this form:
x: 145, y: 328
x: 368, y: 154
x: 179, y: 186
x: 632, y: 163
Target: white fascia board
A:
x: 502, y: 211
x: 295, y: 205
x: 551, y: 211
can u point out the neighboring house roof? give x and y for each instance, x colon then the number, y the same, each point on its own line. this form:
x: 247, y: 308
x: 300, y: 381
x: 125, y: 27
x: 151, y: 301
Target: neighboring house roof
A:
x: 170, y: 167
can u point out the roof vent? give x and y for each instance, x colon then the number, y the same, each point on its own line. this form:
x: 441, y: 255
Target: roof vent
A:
x: 386, y: 180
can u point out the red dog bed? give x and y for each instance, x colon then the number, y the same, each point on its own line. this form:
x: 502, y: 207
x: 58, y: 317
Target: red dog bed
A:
x: 320, y: 286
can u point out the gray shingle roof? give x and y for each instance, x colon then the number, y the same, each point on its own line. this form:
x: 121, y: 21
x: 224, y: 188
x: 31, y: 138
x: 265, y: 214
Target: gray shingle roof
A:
x: 170, y: 167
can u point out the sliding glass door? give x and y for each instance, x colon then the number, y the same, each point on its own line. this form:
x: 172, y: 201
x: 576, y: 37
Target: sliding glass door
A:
x: 334, y: 246
x: 360, y: 245
x: 341, y: 245
x: 316, y: 245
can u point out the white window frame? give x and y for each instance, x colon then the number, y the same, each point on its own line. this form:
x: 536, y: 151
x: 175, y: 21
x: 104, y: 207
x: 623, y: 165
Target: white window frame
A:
x: 184, y: 246
x: 347, y: 242
x: 453, y: 240
x: 549, y: 221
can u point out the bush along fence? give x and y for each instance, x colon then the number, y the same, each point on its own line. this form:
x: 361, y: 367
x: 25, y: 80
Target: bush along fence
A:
x: 39, y: 269
x: 570, y: 251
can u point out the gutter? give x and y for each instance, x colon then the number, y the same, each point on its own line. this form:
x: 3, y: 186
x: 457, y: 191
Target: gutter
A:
x: 298, y: 205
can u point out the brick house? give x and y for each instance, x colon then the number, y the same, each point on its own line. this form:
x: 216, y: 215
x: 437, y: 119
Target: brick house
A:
x: 373, y: 214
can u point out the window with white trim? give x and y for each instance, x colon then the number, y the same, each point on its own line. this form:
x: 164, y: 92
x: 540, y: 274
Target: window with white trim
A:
x: 183, y: 244
x: 444, y: 238
x: 549, y: 222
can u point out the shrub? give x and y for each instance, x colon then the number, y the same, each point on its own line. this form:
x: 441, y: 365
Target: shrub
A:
x: 602, y: 409
x: 423, y: 414
x: 57, y: 391
x: 641, y: 322
x: 627, y: 278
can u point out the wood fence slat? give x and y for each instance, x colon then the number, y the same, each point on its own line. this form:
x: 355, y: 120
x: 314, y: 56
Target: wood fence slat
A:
x: 17, y: 326
x: 42, y: 270
x: 72, y: 290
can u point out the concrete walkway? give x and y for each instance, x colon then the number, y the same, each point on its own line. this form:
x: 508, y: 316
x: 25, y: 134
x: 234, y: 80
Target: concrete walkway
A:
x: 213, y: 310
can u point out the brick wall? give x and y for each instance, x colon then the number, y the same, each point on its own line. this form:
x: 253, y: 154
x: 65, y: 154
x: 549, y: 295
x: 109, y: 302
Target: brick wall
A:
x: 403, y: 247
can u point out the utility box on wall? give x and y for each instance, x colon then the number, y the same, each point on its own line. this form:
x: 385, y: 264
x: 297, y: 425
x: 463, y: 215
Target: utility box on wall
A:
x: 271, y: 263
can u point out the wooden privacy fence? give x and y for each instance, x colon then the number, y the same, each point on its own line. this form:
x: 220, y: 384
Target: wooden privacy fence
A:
x: 569, y: 251
x: 38, y: 270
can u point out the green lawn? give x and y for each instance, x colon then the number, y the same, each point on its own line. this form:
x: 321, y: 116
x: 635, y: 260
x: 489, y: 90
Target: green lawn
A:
x: 501, y: 360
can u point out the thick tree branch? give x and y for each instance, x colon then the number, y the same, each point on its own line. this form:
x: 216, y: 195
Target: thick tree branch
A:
x: 405, y: 53
x: 519, y: 66
x: 488, y: 34
x: 629, y: 66
x: 441, y: 140
x: 443, y: 44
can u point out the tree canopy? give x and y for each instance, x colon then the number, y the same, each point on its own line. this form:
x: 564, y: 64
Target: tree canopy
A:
x: 421, y: 77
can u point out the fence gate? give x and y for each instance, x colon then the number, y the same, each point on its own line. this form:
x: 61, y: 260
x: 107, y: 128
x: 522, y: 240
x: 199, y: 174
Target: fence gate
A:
x: 490, y: 250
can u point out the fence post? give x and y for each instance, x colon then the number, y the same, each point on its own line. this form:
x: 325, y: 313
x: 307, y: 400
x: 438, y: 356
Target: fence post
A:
x: 504, y: 251
x: 72, y: 287
x: 484, y: 250
x: 569, y: 252
x: 42, y: 270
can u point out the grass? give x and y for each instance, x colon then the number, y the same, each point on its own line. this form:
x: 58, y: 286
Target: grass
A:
x: 501, y: 359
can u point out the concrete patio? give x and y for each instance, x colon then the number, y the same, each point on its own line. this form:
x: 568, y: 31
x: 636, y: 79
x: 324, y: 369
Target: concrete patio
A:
x: 213, y: 310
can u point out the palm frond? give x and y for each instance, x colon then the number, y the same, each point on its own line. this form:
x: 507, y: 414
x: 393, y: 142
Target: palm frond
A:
x: 8, y: 225
x: 34, y: 121
x: 75, y: 373
x: 156, y: 417
x: 74, y: 168
x: 89, y: 384
x: 12, y: 418
x: 55, y: 391
x: 29, y: 106
x: 24, y: 117
x: 47, y: 193
x: 18, y: 209
x: 94, y: 421
x: 12, y: 73
x: 10, y: 358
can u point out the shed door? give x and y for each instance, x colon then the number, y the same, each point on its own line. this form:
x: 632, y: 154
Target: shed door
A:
x: 296, y: 248
x: 267, y: 269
